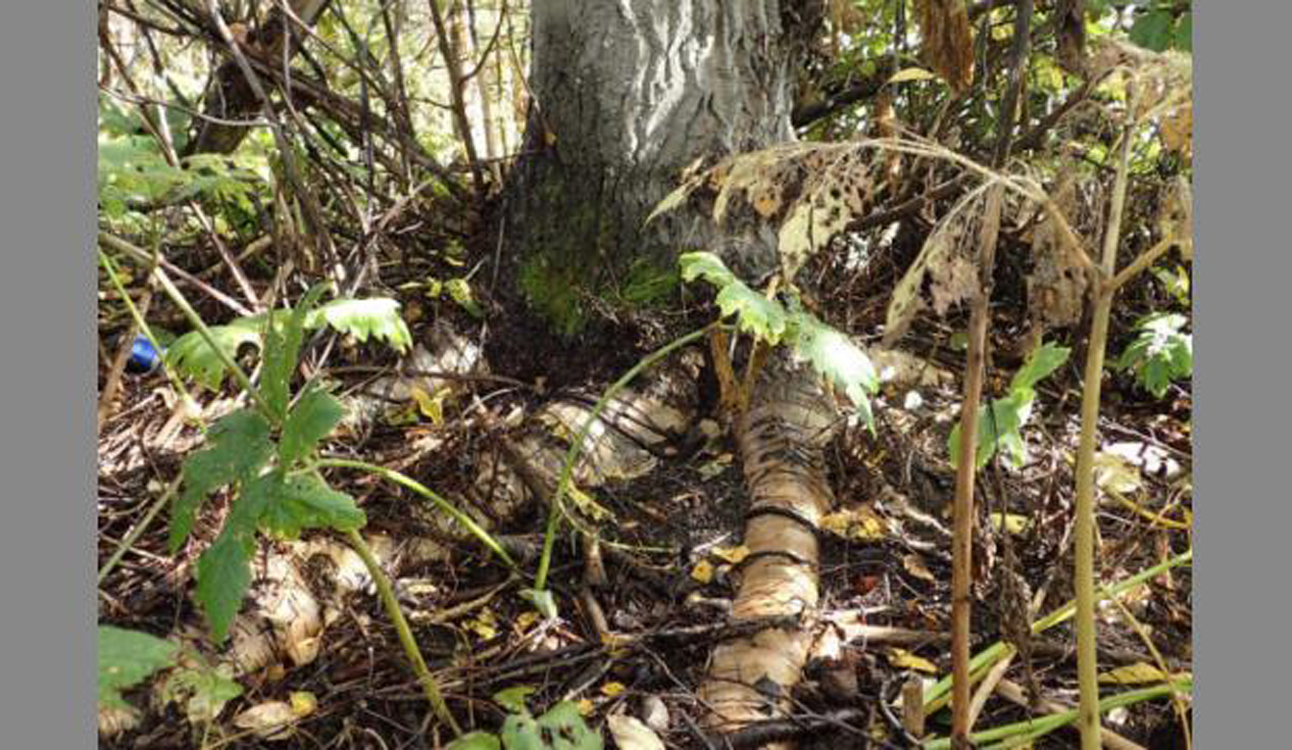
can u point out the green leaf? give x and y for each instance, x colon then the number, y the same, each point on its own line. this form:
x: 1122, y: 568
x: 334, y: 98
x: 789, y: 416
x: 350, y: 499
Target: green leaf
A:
x: 312, y: 419
x: 1152, y: 29
x: 1044, y: 360
x: 283, y: 337
x: 240, y: 446
x: 837, y: 358
x: 475, y: 741
x: 192, y: 357
x: 126, y: 658
x: 1183, y: 39
x: 706, y: 265
x: 542, y: 600
x: 363, y: 318
x: 1001, y: 427
x: 513, y: 698
x: 1160, y: 354
x: 224, y: 570
x: 756, y: 315
x: 520, y: 732
x: 203, y: 691
x: 223, y: 577
x: 377, y: 318
x: 460, y: 291
x: 252, y: 502
x: 306, y: 502
x: 561, y: 728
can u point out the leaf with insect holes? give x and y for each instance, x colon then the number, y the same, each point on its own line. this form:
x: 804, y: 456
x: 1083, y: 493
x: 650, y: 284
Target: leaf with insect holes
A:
x: 307, y: 502
x: 240, y: 445
x: 283, y: 337
x: 837, y: 359
x: 223, y: 577
x: 310, y: 420
x: 126, y: 658
x: 562, y: 724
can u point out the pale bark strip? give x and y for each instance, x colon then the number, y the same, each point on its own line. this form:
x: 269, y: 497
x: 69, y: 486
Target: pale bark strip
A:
x: 780, y: 438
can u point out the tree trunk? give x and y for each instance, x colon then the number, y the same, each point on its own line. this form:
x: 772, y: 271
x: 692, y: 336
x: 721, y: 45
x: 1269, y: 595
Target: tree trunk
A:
x: 628, y: 94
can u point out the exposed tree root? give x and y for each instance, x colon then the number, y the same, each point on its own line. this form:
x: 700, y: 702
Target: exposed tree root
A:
x: 781, y: 437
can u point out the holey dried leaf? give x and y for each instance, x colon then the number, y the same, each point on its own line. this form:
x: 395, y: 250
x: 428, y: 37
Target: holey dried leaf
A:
x: 1056, y: 288
x: 948, y: 40
x: 1163, y: 80
x: 946, y: 271
x: 798, y: 196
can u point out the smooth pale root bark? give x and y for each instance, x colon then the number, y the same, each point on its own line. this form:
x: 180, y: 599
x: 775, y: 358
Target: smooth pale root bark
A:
x: 781, y: 439
x: 627, y: 95
x: 230, y: 97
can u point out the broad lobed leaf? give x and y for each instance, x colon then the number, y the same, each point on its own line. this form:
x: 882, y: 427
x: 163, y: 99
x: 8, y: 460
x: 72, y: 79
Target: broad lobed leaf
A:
x: 307, y: 502
x: 312, y: 418
x: 126, y: 658
x: 240, y: 446
x: 223, y: 577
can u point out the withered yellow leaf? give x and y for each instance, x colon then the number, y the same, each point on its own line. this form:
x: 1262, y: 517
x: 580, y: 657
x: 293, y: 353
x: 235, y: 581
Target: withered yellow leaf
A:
x: 912, y: 74
x: 733, y: 555
x: 612, y: 689
x: 903, y: 659
x: 1133, y: 674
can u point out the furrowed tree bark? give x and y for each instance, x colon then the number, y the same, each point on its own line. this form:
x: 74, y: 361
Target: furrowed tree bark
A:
x: 230, y: 96
x: 628, y: 94
x: 781, y: 439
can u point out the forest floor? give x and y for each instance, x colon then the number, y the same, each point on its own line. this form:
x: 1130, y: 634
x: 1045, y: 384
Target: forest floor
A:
x: 885, y: 564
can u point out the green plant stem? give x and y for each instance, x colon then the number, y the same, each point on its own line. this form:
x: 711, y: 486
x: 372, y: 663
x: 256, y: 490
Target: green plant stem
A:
x: 193, y: 318
x: 138, y: 316
x: 934, y: 695
x: 402, y: 480
x: 133, y: 535
x: 576, y: 446
x: 396, y: 615
x: 1027, y: 731
x: 1084, y: 531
